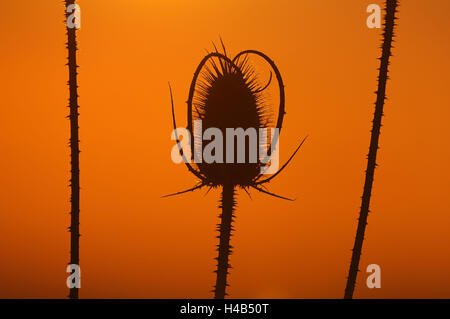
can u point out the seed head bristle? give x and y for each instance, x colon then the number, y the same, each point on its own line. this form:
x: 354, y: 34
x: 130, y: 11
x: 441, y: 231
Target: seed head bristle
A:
x: 230, y: 96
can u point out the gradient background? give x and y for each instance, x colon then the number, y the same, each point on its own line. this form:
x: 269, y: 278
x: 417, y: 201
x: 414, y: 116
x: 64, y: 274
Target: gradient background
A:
x: 135, y: 244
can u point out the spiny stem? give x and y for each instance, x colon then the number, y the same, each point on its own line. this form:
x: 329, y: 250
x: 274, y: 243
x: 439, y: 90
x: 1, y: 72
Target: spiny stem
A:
x: 228, y: 205
x: 391, y: 9
x: 74, y: 148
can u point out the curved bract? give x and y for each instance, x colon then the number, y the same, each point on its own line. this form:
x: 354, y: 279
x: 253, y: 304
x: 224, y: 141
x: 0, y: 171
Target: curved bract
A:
x: 194, y: 81
x: 272, y: 64
x: 186, y: 162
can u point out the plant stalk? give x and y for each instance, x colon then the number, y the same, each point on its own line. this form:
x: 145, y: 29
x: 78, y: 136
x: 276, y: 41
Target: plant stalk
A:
x: 388, y: 34
x: 74, y: 148
x: 225, y: 228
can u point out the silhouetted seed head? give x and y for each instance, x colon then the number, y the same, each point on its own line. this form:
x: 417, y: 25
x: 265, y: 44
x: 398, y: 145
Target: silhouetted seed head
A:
x: 228, y: 95
x: 225, y: 95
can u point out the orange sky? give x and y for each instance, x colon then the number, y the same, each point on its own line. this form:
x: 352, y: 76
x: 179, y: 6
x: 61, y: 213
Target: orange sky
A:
x: 135, y: 244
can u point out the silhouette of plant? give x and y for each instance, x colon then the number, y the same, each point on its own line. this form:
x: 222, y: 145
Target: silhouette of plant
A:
x: 74, y: 146
x: 388, y: 34
x: 229, y: 96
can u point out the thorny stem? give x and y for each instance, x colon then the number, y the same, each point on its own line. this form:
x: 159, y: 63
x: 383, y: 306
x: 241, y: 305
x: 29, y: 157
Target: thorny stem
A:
x: 228, y: 205
x: 74, y: 149
x: 391, y: 9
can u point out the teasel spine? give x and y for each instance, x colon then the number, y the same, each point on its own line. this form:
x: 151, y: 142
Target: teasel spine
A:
x: 388, y: 35
x: 74, y: 146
